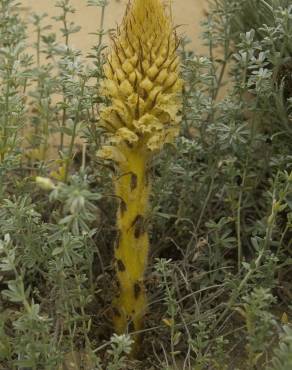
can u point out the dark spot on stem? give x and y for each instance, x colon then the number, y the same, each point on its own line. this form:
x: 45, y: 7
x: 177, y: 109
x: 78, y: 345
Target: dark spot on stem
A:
x: 139, y: 225
x: 121, y: 266
x: 137, y: 290
x: 131, y: 326
x: 134, y: 181
x: 123, y: 207
x: 116, y: 312
x: 118, y: 239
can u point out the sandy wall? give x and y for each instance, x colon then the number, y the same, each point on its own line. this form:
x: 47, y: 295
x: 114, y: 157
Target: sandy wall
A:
x: 187, y: 13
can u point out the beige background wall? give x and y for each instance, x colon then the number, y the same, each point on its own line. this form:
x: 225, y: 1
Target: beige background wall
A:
x: 187, y: 13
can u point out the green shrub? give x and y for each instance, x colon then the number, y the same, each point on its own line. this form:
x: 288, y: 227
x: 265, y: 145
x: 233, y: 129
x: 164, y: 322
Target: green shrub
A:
x: 222, y: 210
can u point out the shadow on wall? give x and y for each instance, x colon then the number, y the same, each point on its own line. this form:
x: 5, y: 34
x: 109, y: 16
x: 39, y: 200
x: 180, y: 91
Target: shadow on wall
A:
x: 188, y: 14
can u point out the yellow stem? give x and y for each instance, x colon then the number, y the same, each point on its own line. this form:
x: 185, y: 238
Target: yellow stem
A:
x: 132, y: 246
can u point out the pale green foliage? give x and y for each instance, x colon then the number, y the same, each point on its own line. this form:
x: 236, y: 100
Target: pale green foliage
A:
x: 120, y: 347
x: 282, y: 359
x: 221, y: 200
x: 259, y: 322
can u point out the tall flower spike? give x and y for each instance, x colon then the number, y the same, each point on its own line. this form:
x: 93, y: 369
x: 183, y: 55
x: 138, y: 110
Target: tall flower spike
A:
x: 143, y: 85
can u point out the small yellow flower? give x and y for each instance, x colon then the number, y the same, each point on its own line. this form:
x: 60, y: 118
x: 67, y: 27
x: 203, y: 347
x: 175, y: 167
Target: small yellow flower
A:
x: 124, y: 134
x: 112, y: 153
x: 45, y: 183
x: 168, y: 322
x: 284, y: 319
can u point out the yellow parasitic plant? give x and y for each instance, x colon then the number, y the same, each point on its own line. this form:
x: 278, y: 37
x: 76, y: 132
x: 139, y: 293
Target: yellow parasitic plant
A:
x: 143, y: 86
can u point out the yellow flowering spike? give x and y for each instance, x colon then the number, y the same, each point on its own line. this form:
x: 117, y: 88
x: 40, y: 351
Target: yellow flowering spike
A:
x: 142, y: 70
x: 144, y: 88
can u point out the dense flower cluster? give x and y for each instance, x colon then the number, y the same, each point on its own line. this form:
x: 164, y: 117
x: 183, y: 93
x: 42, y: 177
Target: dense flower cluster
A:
x: 142, y: 82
